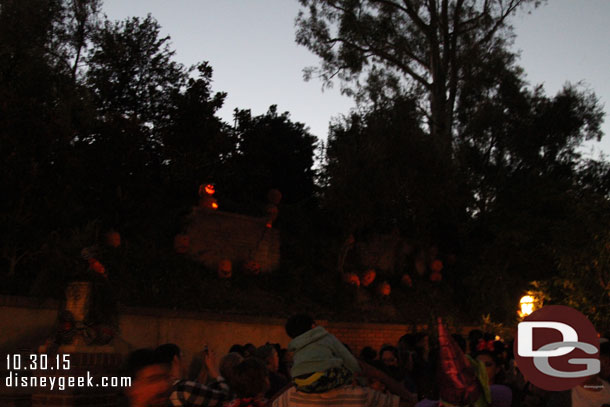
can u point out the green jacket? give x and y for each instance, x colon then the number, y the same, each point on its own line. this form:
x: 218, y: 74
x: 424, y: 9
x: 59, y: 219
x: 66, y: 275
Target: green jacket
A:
x: 317, y: 351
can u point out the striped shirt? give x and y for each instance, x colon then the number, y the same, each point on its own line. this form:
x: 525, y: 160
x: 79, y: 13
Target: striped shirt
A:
x: 346, y: 396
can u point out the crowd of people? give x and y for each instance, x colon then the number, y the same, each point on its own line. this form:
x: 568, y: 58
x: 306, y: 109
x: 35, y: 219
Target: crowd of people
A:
x: 317, y: 369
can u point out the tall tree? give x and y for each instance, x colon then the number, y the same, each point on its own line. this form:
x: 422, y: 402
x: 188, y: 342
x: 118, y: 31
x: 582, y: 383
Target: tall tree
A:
x: 414, y: 46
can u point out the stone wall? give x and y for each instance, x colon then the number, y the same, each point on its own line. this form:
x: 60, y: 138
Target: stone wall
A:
x: 215, y: 236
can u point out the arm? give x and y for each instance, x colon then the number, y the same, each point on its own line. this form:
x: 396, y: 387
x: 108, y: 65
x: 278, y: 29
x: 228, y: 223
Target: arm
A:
x: 392, y: 385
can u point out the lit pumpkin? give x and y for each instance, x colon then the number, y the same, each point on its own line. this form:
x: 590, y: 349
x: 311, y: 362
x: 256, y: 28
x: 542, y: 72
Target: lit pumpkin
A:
x: 436, y: 266
x: 368, y: 277
x: 207, y: 189
x: 208, y: 202
x: 97, y: 267
x: 113, y: 239
x: 225, y: 269
x: 384, y: 289
x: 406, y: 280
x: 251, y: 267
x: 352, y: 279
x: 436, y: 276
x: 182, y: 243
x: 274, y: 196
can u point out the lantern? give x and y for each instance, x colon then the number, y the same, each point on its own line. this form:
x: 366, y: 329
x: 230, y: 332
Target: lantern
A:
x: 274, y: 196
x: 182, y: 243
x: 436, y: 276
x: 113, y: 239
x: 251, y: 267
x: 97, y: 267
x: 368, y: 277
x: 406, y: 280
x: 436, y: 266
x: 352, y: 279
x: 529, y: 303
x: 384, y: 289
x: 207, y: 189
x: 225, y: 269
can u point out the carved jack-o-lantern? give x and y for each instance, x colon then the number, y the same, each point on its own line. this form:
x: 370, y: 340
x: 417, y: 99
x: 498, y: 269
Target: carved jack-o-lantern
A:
x: 225, y: 269
x: 436, y: 266
x: 384, y: 289
x: 251, y: 267
x: 406, y: 280
x: 182, y: 243
x: 207, y: 189
x: 436, y: 276
x: 352, y: 279
x: 113, y: 239
x: 274, y: 196
x: 368, y: 277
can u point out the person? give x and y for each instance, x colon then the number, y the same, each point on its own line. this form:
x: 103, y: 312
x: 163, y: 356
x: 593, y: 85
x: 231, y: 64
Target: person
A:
x: 268, y: 354
x: 368, y: 354
x: 320, y: 360
x: 188, y: 393
x: 150, y: 384
x: 250, y: 382
x: 501, y: 395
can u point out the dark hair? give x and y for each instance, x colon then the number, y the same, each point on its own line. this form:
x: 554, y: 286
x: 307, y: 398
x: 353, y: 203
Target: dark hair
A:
x: 298, y: 325
x: 461, y: 342
x: 249, y: 378
x: 237, y: 348
x: 139, y: 359
x: 265, y: 352
x: 227, y: 364
x: 498, y: 360
x: 604, y: 349
x: 389, y: 348
x: 167, y: 351
x: 249, y: 350
x: 367, y: 353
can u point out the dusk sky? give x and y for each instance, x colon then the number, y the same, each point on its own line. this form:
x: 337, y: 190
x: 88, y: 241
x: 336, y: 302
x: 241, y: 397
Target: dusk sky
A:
x: 250, y: 45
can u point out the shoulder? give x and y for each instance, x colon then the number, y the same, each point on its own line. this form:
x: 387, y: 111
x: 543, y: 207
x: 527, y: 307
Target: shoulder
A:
x: 355, y: 396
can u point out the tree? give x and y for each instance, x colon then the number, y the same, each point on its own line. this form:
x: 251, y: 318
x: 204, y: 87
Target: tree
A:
x: 415, y: 46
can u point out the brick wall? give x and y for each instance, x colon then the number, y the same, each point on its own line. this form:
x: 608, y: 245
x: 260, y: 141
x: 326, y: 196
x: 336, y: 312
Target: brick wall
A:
x: 215, y: 236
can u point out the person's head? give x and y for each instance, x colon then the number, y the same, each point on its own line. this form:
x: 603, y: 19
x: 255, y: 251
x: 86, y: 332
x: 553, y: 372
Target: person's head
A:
x: 150, y: 381
x: 299, y: 324
x: 227, y: 364
x: 249, y: 350
x: 492, y: 364
x: 237, y: 348
x: 368, y: 354
x: 171, y: 355
x: 388, y: 355
x: 268, y: 354
x: 249, y: 378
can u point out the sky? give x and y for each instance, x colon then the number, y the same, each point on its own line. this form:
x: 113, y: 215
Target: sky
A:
x: 250, y: 45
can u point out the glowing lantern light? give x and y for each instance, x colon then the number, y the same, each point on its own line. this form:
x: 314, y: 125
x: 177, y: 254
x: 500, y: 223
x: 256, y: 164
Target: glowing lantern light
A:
x: 436, y: 266
x: 181, y: 243
x: 97, y: 267
x: 214, y: 205
x: 384, y: 289
x: 352, y: 279
x: 251, y: 267
x: 210, y: 189
x: 113, y: 239
x: 527, y: 303
x: 225, y: 269
x: 368, y: 277
x: 406, y: 280
x: 208, y: 202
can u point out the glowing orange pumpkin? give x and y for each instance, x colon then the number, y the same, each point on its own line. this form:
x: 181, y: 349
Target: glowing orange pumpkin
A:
x: 251, y: 267
x: 368, y: 277
x: 207, y: 189
x: 182, y: 243
x: 352, y: 279
x: 436, y: 266
x: 113, y: 239
x: 274, y: 196
x: 436, y: 276
x: 406, y: 280
x: 384, y: 289
x: 225, y: 269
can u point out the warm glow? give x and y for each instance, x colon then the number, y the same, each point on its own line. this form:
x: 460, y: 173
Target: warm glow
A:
x: 209, y: 189
x: 527, y: 303
x: 214, y: 205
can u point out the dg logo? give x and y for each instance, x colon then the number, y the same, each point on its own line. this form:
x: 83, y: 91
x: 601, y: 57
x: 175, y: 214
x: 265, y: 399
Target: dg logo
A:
x: 557, y: 348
